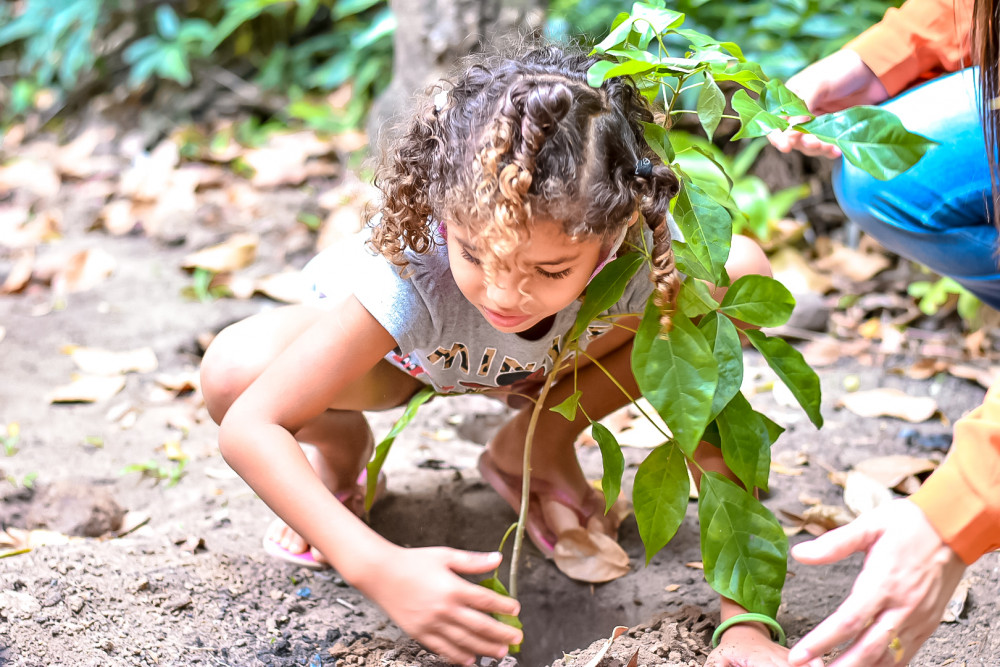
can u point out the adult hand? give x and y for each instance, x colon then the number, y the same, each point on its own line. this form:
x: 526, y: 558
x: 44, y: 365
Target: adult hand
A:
x: 421, y: 591
x: 897, y: 600
x: 747, y: 645
x: 839, y: 81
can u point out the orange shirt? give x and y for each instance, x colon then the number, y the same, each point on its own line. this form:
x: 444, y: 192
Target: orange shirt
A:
x: 962, y: 498
x: 918, y: 41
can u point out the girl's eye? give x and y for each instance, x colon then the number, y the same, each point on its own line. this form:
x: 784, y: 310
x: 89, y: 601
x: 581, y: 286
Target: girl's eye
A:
x: 555, y: 276
x: 469, y: 258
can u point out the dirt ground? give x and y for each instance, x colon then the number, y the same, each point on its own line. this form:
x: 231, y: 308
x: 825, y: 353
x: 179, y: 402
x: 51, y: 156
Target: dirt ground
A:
x: 192, y: 585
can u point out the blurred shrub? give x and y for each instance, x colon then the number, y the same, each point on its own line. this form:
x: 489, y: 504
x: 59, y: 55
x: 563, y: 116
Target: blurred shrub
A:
x: 296, y: 46
x: 782, y: 35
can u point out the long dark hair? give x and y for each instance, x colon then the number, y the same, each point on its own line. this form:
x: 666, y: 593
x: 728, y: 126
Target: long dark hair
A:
x: 986, y: 51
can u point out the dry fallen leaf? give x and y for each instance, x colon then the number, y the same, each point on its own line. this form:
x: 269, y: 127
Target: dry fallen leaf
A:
x: 235, y: 253
x: 925, y: 369
x: 862, y: 493
x: 888, y: 402
x: 956, y: 605
x: 35, y: 176
x: 789, y: 267
x: 15, y: 541
x: 819, y: 519
x: 828, y: 350
x: 615, y: 634
x: 95, y: 361
x: 20, y: 272
x: 889, y: 471
x: 87, y: 389
x: 985, y: 377
x: 590, y: 556
x: 856, y: 265
x: 672, y: 588
x: 78, y: 272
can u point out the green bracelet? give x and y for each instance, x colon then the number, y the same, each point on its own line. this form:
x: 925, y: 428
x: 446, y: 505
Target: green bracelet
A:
x: 777, y: 633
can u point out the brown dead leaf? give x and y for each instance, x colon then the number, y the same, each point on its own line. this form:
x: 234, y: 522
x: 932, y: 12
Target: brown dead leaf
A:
x: 862, y: 493
x: 83, y: 270
x: 889, y: 471
x: 985, y: 377
x: 925, y: 369
x: 856, y: 265
x: 95, y: 361
x: 889, y: 402
x: 118, y: 217
x: 88, y: 389
x: 20, y: 272
x: 956, y: 605
x: 17, y: 541
x: 287, y: 287
x: 672, y: 588
x: 179, y: 382
x: 793, y: 271
x: 782, y: 469
x: 34, y: 176
x: 77, y: 160
x: 615, y: 634
x: 236, y: 252
x: 285, y: 159
x: 20, y: 229
x: 819, y: 519
x: 150, y: 174
x: 590, y: 556
x: 828, y: 350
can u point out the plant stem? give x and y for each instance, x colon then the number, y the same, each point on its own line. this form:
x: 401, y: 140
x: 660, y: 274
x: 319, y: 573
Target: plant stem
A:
x: 522, y: 515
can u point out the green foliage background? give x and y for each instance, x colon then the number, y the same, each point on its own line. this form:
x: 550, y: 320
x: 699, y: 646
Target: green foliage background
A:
x: 300, y: 46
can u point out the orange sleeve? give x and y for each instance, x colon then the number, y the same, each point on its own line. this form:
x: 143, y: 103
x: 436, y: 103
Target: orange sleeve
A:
x: 962, y: 498
x: 918, y: 41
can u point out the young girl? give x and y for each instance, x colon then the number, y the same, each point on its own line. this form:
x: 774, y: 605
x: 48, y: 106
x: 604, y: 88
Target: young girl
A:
x: 502, y: 199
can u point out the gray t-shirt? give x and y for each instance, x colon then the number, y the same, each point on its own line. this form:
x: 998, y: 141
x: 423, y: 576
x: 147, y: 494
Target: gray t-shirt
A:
x: 442, y: 339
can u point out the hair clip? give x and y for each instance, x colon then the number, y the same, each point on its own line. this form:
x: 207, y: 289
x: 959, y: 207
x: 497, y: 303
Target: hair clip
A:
x: 644, y: 167
x: 440, y: 100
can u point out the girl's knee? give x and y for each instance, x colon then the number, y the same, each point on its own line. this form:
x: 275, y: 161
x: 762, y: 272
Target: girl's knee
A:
x: 224, y: 373
x: 746, y: 258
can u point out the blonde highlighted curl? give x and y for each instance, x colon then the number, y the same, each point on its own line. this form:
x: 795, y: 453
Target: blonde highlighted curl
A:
x: 523, y: 139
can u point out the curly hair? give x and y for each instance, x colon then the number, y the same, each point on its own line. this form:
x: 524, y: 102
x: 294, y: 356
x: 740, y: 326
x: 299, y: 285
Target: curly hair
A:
x: 519, y: 139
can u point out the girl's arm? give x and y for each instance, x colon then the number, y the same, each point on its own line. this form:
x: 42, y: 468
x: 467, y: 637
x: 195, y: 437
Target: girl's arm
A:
x: 418, y: 588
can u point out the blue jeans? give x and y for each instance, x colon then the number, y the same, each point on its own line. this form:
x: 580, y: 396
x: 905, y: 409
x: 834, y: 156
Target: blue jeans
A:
x: 939, y: 212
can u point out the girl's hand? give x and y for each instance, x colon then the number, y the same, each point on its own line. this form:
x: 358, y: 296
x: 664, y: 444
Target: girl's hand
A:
x: 839, y: 81
x: 748, y: 645
x: 898, y: 599
x: 421, y: 591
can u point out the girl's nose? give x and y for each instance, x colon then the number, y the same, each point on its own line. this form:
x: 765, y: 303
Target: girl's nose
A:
x: 503, y: 292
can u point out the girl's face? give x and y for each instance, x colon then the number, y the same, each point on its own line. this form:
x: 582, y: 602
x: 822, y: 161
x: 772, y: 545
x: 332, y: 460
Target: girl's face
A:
x: 543, y: 276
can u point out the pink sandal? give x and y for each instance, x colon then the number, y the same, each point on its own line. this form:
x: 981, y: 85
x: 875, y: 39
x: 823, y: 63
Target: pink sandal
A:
x: 353, y: 499
x: 508, y: 485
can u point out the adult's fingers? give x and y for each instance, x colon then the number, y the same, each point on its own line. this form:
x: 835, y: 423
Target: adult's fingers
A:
x: 859, y: 535
x: 849, y: 620
x: 487, y: 627
x: 878, y: 646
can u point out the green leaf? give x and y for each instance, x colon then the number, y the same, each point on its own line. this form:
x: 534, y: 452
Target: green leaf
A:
x: 657, y: 138
x: 711, y: 105
x: 677, y: 375
x: 778, y: 99
x: 568, y: 407
x: 382, y: 449
x: 644, y: 20
x: 167, y: 23
x: 614, y: 463
x: 758, y: 300
x: 598, y: 72
x: 695, y: 298
x: 707, y: 229
x: 660, y: 496
x: 724, y: 339
x: 755, y: 120
x: 747, y: 74
x: 746, y: 442
x: 497, y: 586
x: 605, y: 290
x: 793, y: 370
x: 743, y: 547
x: 872, y: 139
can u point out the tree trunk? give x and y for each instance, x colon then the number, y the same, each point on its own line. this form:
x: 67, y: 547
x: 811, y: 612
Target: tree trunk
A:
x: 433, y: 35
